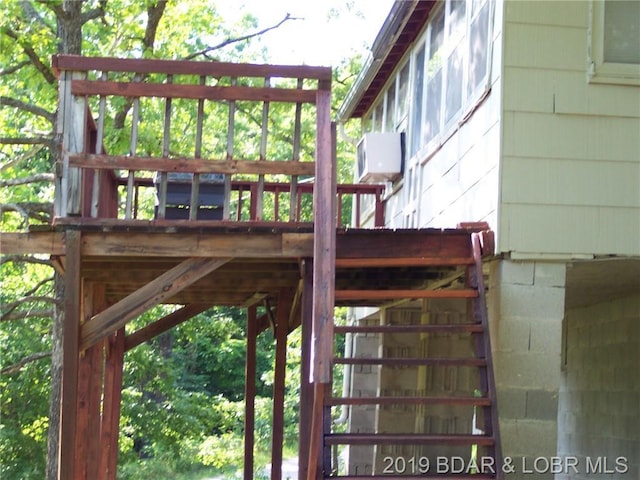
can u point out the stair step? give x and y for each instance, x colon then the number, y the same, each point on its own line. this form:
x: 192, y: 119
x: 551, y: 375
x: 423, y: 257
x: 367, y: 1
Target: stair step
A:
x: 460, y: 362
x: 450, y: 328
x: 406, y: 439
x: 342, y: 295
x: 437, y: 261
x: 478, y: 401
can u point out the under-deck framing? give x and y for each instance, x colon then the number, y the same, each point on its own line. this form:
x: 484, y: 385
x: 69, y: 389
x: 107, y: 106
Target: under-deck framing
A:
x: 121, y: 256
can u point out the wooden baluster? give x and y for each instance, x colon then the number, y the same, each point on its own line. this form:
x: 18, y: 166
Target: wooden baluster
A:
x: 263, y: 153
x: 230, y: 136
x: 166, y: 142
x: 294, y: 213
x: 195, y: 183
x: 97, y: 175
x: 128, y: 210
x: 73, y: 127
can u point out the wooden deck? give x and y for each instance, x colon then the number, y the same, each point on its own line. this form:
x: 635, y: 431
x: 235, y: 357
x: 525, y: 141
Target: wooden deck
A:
x: 272, y: 233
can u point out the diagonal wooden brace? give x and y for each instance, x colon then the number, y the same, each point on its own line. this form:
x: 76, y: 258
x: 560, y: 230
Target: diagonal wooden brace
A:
x: 152, y: 294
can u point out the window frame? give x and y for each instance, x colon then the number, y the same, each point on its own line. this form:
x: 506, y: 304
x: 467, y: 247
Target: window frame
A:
x: 600, y: 71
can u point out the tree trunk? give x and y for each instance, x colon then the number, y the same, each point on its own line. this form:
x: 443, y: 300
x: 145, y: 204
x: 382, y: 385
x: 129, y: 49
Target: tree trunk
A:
x: 70, y: 42
x: 53, y: 440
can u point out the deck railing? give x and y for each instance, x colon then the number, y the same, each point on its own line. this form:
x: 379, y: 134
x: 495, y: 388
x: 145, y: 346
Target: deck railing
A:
x: 242, y: 142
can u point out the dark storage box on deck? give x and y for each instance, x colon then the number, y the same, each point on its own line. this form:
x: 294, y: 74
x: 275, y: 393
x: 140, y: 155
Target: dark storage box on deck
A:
x: 210, y: 196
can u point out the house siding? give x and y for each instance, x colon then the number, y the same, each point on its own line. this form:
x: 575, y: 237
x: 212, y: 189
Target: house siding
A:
x: 570, y: 170
x: 459, y: 178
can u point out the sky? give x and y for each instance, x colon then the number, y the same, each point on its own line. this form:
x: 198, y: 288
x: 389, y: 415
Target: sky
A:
x: 317, y: 38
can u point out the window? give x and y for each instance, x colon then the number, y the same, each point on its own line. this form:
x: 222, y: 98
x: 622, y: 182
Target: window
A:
x: 416, y: 117
x: 614, y: 42
x: 450, y: 69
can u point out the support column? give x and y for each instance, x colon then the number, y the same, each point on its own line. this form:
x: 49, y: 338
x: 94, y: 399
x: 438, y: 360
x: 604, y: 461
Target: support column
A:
x: 70, y: 341
x: 282, y: 329
x: 114, y: 362
x: 89, y: 392
x: 306, y: 387
x: 250, y: 392
x: 526, y: 312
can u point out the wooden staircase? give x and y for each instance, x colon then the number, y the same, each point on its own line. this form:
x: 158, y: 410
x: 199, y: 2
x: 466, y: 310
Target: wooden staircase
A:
x: 437, y: 429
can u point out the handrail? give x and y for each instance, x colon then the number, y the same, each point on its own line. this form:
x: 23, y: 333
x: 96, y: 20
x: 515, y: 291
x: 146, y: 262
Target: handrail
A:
x: 178, y: 116
x: 204, y: 118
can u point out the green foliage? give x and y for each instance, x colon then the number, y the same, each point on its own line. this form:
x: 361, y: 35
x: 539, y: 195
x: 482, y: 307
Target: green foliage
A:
x: 182, y: 403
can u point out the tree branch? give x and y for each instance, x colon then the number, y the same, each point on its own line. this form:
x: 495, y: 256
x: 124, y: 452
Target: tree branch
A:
x: 26, y: 314
x: 27, y: 107
x: 33, y: 15
x: 33, y: 56
x: 10, y: 307
x: 25, y: 259
x: 41, y: 212
x: 25, y: 140
x: 154, y: 14
x: 16, y: 367
x: 33, y: 151
x: 229, y: 41
x: 94, y: 13
x: 38, y: 177
x: 14, y: 69
x: 55, y: 7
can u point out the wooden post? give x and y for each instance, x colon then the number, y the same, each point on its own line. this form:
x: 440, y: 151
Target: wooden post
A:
x: 306, y: 388
x: 114, y: 362
x: 324, y: 247
x: 70, y: 341
x: 285, y: 299
x: 250, y: 392
x: 90, y: 372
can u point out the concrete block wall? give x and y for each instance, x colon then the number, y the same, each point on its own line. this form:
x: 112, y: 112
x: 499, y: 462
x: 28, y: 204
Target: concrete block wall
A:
x: 526, y: 310
x: 599, y: 407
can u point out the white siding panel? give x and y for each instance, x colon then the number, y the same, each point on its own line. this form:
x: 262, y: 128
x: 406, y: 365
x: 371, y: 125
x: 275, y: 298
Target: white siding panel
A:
x: 569, y: 13
x: 571, y: 136
x: 569, y: 230
x: 547, y: 47
x: 566, y: 92
x: 555, y: 182
x: 529, y: 90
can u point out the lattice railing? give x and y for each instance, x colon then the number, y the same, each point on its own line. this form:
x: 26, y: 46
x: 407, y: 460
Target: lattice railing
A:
x: 193, y: 140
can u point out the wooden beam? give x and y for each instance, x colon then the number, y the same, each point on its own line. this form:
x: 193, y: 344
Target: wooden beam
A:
x: 188, y: 67
x: 250, y: 392
x: 163, y: 324
x: 285, y: 300
x: 344, y: 295
x: 154, y: 293
x: 192, y: 165
x: 70, y: 352
x: 195, y: 92
x: 402, y: 262
x: 397, y: 244
x: 32, y: 243
x: 246, y: 245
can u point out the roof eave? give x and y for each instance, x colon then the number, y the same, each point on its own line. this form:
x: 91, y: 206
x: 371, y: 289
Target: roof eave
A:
x: 398, y: 32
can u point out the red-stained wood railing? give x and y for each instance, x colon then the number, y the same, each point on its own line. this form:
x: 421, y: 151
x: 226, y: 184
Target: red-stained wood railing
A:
x: 357, y: 205
x: 183, y: 117
x: 107, y: 161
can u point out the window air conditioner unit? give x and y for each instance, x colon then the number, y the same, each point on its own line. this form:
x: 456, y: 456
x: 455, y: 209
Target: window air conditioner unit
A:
x: 379, y: 157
